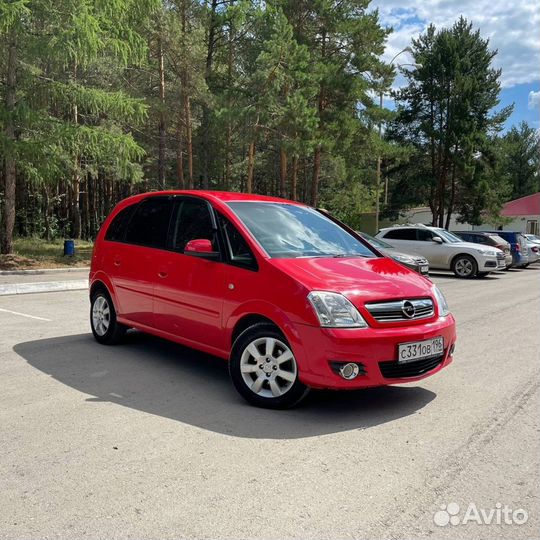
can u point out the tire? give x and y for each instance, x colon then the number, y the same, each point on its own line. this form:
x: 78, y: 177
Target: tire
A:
x: 106, y: 329
x: 464, y: 266
x: 525, y: 265
x: 256, y: 373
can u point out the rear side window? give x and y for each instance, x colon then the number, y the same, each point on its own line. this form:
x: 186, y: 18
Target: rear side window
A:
x: 150, y: 223
x: 193, y: 222
x: 401, y: 234
x: 117, y: 228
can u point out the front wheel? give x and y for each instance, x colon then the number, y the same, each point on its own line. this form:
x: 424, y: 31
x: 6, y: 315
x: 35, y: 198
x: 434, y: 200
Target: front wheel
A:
x: 464, y: 266
x: 106, y: 329
x: 263, y: 368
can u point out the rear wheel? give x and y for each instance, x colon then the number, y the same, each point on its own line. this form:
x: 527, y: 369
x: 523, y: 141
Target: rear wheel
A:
x: 106, y: 329
x: 263, y: 368
x: 464, y: 266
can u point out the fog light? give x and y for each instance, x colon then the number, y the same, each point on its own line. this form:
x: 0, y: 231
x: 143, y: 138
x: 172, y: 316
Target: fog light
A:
x: 349, y: 371
x: 452, y: 349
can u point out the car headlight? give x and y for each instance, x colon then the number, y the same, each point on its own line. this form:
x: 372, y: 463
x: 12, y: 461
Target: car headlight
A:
x: 335, y: 311
x: 487, y: 252
x: 405, y: 259
x: 444, y: 310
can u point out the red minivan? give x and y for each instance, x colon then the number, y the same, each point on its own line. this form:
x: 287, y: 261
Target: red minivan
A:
x: 293, y: 298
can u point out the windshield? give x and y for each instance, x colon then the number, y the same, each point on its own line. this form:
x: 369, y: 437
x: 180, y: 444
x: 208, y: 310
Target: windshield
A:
x: 290, y: 231
x: 381, y: 244
x: 448, y: 236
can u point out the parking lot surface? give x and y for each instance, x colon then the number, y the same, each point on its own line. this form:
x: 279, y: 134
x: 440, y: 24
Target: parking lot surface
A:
x: 150, y: 440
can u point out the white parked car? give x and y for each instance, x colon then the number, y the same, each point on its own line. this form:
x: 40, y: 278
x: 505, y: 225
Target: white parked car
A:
x: 444, y: 250
x: 533, y: 238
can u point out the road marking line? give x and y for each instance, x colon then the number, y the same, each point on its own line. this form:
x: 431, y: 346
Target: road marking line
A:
x: 24, y: 315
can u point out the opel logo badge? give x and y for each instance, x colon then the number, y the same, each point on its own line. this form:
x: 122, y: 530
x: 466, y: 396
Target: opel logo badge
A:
x: 408, y: 309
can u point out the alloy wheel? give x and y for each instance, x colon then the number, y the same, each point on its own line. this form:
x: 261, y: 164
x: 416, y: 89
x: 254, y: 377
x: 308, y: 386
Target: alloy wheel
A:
x: 464, y: 267
x: 268, y: 367
x: 101, y: 315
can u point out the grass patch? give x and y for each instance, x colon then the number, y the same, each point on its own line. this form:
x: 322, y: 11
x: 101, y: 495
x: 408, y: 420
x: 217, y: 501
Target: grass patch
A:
x: 37, y: 253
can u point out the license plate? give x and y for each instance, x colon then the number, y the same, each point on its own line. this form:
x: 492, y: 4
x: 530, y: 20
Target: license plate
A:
x: 424, y: 269
x: 417, y: 350
x: 502, y: 264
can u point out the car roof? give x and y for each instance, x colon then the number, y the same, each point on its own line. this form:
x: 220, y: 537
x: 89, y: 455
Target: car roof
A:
x: 223, y: 196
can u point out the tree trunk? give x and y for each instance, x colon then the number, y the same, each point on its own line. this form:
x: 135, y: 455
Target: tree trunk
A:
x: 162, y: 132
x: 282, y: 172
x: 9, y: 162
x: 452, y: 197
x: 294, y: 178
x: 228, y: 141
x: 76, y: 180
x: 205, y: 124
x: 179, y: 154
x: 189, y: 141
x: 251, y: 166
x: 315, y: 178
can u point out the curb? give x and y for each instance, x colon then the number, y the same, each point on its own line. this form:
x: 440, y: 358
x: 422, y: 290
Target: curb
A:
x: 45, y: 286
x: 36, y: 272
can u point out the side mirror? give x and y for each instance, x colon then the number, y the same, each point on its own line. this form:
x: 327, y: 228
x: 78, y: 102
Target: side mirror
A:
x: 202, y: 248
x: 437, y: 239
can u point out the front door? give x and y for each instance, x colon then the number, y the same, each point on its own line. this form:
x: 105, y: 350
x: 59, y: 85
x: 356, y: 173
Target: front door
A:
x: 189, y: 291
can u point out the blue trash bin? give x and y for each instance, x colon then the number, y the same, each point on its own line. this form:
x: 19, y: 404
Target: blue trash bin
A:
x: 69, y: 248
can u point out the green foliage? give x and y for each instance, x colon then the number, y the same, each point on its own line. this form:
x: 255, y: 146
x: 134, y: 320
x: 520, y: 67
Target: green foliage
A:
x: 446, y: 112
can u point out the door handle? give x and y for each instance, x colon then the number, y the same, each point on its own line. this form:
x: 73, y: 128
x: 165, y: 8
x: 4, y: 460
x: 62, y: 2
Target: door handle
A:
x: 117, y: 262
x: 163, y: 274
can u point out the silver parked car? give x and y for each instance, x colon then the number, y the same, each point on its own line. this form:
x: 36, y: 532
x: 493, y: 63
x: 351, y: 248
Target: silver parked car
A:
x: 444, y: 250
x: 414, y: 262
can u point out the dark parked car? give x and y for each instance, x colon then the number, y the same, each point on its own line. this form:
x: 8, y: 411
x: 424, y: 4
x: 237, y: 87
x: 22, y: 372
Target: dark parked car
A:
x: 488, y: 239
x: 414, y: 262
x: 518, y: 247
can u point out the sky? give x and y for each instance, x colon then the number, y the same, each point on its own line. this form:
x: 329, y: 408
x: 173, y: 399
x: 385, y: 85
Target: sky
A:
x: 513, y: 28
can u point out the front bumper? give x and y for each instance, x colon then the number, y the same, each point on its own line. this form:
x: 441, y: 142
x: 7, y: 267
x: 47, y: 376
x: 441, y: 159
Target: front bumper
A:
x: 369, y: 347
x: 490, y: 264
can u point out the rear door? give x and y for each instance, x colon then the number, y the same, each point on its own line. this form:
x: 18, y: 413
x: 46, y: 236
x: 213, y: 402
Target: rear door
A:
x: 132, y: 265
x: 189, y: 290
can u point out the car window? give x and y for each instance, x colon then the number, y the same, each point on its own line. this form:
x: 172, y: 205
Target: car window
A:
x: 237, y: 248
x: 497, y: 239
x: 425, y: 235
x: 117, y: 228
x: 288, y: 231
x: 401, y: 234
x: 447, y: 236
x: 193, y: 222
x: 150, y: 222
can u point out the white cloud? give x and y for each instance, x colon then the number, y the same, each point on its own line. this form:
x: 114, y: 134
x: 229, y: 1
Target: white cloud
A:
x: 512, y: 28
x: 534, y: 100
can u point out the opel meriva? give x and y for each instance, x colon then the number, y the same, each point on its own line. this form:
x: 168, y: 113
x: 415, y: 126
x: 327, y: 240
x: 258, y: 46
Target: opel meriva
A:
x: 291, y: 297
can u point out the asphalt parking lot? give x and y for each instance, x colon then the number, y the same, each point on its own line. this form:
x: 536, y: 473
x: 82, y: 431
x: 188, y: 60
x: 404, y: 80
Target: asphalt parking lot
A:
x: 150, y: 440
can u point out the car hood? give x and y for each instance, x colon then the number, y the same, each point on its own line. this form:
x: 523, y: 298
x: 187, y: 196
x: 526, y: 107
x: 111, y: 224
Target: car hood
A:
x: 360, y: 279
x: 391, y: 252
x: 471, y: 245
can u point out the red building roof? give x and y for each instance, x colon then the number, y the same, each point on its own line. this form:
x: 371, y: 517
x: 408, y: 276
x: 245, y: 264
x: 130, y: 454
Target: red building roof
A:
x: 526, y: 206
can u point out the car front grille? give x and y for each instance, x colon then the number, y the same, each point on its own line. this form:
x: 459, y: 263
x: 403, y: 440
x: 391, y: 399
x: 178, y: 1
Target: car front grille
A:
x: 401, y: 310
x: 396, y: 370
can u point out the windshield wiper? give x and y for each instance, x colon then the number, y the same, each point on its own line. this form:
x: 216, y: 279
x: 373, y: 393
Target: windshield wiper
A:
x: 343, y: 255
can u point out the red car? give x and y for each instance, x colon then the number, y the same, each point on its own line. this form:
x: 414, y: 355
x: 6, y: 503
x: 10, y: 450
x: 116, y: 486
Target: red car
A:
x: 291, y: 297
